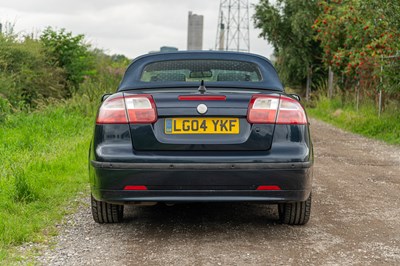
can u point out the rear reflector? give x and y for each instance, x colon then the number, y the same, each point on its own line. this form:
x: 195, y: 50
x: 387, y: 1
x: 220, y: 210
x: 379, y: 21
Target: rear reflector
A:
x: 128, y: 108
x: 201, y: 98
x: 268, y: 188
x: 135, y: 188
x: 270, y: 109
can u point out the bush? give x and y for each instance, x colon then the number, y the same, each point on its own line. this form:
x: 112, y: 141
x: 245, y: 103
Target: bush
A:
x: 59, y: 65
x: 69, y: 52
x: 26, y: 75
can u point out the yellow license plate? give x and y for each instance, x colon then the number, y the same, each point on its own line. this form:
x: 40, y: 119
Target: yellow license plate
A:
x: 206, y: 125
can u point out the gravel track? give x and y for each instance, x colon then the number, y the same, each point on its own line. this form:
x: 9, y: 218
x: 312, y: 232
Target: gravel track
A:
x: 355, y: 220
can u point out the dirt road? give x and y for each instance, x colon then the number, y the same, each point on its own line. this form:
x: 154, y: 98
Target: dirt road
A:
x: 355, y: 220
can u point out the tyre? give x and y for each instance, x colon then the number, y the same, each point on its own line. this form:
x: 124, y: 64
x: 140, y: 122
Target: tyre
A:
x: 104, y: 212
x: 296, y: 213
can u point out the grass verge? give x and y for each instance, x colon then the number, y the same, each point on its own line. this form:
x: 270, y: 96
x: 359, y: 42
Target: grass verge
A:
x: 43, y: 165
x: 364, y: 121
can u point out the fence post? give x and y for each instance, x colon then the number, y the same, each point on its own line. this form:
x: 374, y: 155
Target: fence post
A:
x: 308, y: 88
x: 380, y: 90
x: 330, y: 83
x: 358, y: 95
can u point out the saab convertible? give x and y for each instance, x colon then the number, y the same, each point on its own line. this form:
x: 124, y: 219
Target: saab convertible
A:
x: 201, y: 126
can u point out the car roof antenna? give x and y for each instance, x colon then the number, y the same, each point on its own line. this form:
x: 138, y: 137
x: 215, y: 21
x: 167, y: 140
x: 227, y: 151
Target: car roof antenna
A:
x: 202, y: 88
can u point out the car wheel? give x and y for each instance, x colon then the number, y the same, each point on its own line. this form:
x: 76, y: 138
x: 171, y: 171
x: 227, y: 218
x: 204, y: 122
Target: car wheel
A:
x: 104, y: 212
x: 296, y: 213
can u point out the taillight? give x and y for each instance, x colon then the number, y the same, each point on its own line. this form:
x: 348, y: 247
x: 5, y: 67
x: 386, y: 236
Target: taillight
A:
x: 119, y: 109
x: 269, y: 109
x: 263, y: 109
x: 141, y: 109
x: 202, y: 98
x: 291, y: 112
x: 112, y: 111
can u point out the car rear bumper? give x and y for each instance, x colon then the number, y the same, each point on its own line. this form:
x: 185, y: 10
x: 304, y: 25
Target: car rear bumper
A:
x: 175, y: 196
x: 200, y: 182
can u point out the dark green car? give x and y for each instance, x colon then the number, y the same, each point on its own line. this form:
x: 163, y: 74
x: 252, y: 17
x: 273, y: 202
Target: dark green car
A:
x: 201, y: 127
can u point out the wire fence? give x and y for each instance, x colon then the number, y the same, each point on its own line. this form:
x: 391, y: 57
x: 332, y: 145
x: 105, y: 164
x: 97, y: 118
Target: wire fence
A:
x: 379, y: 81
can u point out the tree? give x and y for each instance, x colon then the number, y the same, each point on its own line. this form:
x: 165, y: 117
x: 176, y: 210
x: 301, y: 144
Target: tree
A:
x: 69, y: 52
x: 287, y: 26
x: 356, y: 35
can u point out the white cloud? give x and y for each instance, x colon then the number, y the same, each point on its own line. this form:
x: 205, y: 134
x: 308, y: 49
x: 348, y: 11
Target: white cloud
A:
x: 128, y: 27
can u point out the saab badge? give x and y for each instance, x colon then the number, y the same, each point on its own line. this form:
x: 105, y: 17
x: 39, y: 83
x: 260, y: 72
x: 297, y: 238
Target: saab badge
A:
x: 202, y: 109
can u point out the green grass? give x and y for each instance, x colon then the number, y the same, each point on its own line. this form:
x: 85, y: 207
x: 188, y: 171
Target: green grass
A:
x: 365, y: 121
x: 43, y: 165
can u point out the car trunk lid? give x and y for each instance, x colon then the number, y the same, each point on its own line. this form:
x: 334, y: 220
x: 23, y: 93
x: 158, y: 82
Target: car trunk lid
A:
x: 189, y: 120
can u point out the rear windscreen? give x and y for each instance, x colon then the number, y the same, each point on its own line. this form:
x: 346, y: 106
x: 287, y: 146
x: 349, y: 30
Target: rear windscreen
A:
x: 197, y: 70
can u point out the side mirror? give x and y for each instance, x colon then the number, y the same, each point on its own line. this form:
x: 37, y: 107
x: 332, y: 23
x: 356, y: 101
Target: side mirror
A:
x: 105, y: 96
x: 297, y: 97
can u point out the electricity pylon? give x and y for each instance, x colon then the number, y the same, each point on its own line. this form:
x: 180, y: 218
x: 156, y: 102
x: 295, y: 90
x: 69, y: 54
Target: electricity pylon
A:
x: 233, y: 33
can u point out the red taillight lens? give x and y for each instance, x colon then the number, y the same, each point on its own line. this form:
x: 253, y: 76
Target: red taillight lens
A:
x: 141, y: 109
x: 135, y: 109
x: 291, y: 112
x: 112, y: 111
x: 201, y: 98
x: 265, y: 109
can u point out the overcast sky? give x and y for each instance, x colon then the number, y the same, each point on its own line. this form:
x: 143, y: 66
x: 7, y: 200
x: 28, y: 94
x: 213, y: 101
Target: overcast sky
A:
x: 129, y: 27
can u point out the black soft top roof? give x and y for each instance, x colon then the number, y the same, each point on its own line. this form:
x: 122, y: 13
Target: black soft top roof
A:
x: 131, y: 79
